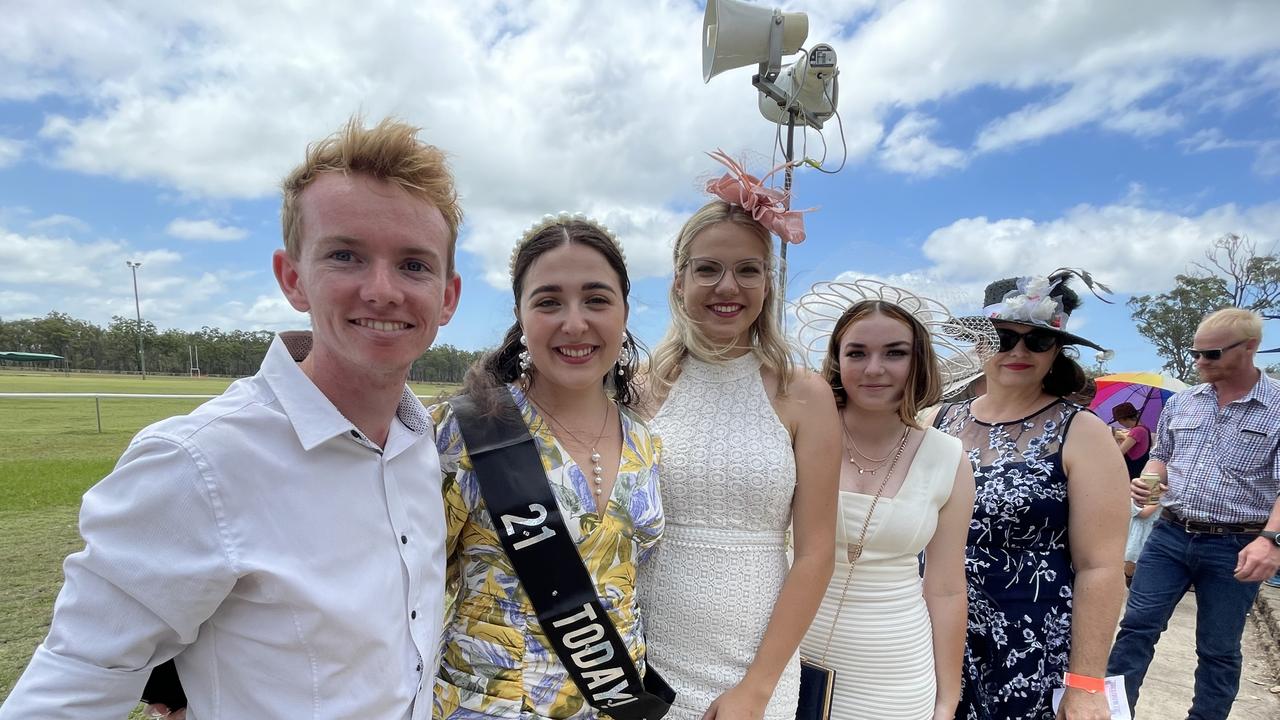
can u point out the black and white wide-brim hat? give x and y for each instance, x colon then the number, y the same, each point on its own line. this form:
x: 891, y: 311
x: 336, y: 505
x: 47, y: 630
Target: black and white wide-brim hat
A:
x: 1041, y: 302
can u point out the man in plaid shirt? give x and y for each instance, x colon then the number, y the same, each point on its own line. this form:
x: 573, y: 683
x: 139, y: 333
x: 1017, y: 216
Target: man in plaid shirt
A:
x: 1216, y: 449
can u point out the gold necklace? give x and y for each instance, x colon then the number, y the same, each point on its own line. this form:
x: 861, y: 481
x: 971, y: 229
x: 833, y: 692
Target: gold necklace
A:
x: 870, y: 470
x: 597, y: 472
x: 855, y: 550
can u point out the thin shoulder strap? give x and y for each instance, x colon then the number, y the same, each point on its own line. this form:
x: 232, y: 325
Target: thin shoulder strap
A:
x: 943, y: 411
x: 1072, y: 411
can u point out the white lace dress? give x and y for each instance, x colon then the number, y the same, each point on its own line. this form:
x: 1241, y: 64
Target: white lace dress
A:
x: 728, y: 474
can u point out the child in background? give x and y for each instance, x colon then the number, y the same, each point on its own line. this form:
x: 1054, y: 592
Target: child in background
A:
x: 1135, y: 442
x: 1134, y: 439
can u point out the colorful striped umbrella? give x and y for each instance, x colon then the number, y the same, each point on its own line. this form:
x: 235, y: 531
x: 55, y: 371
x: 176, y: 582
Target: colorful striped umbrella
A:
x: 1146, y: 391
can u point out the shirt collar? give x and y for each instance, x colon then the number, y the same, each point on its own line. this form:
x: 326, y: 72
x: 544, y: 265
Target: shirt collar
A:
x: 314, y: 417
x: 1266, y: 391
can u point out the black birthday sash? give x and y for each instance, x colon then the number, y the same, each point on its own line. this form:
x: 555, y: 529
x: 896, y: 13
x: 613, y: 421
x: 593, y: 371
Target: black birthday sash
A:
x: 546, y: 560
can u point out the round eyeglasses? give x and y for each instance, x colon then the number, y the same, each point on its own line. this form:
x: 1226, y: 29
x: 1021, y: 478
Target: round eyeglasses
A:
x: 708, y: 272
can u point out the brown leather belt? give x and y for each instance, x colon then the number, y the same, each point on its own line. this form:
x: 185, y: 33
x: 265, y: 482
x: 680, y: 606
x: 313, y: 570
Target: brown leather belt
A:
x: 1196, y: 527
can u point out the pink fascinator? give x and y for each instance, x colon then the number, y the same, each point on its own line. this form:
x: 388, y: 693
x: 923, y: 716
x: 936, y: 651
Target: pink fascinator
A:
x: 767, y: 205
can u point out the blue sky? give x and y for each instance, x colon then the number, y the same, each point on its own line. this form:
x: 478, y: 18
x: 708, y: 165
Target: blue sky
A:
x: 985, y: 141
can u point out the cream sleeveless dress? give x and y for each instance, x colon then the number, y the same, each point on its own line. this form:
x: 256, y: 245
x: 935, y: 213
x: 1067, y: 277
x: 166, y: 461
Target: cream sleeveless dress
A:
x: 882, y: 645
x: 728, y: 474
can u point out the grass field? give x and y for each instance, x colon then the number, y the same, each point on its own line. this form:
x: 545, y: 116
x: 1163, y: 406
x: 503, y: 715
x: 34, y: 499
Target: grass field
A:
x: 50, y: 453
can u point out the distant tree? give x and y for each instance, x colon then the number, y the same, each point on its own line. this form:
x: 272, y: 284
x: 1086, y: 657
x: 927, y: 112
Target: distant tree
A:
x: 1169, y: 319
x: 1251, y: 280
x: 1233, y: 275
x: 234, y: 353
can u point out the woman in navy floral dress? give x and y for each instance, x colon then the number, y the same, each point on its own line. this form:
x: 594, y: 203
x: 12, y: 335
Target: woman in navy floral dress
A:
x: 1046, y: 541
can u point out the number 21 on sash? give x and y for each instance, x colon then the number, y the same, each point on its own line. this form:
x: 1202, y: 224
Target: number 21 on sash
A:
x: 540, y: 516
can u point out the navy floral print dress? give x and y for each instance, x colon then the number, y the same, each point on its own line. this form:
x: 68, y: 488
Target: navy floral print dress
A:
x: 1017, y: 563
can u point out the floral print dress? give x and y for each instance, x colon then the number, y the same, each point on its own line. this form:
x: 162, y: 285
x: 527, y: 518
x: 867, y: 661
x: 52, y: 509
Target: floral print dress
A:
x: 495, y: 660
x: 1017, y: 562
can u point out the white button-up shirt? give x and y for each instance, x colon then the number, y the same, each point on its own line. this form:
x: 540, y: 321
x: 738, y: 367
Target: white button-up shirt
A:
x: 293, y: 568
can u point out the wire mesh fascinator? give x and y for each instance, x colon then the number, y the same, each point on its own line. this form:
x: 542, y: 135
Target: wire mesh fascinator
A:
x: 962, y: 344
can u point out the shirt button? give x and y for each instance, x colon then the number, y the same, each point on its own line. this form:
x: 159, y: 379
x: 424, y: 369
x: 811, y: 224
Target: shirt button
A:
x: 419, y: 670
x: 355, y: 434
x: 404, y: 539
x: 413, y: 615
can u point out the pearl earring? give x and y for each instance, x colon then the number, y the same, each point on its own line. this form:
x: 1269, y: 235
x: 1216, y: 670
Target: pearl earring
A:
x: 526, y: 361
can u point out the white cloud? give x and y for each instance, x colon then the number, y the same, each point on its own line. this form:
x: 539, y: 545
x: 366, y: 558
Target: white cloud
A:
x: 1267, y: 162
x: 959, y: 297
x: 1109, y: 99
x: 1120, y: 65
x: 1207, y: 140
x: 1131, y: 248
x: 58, y: 220
x: 10, y: 151
x: 45, y: 260
x: 90, y: 280
x: 538, y: 115
x: 1266, y: 152
x: 555, y: 105
x: 909, y: 149
x: 11, y: 300
x: 273, y: 312
x: 210, y: 230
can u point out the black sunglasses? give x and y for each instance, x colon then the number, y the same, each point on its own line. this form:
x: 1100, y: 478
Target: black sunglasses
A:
x: 1216, y: 353
x: 1037, y: 341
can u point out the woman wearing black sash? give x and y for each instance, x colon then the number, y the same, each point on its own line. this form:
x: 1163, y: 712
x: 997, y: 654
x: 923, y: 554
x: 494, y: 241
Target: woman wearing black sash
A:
x: 566, y: 365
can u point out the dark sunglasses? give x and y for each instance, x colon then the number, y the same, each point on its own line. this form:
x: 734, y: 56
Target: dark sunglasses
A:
x: 1214, y: 354
x: 1037, y: 341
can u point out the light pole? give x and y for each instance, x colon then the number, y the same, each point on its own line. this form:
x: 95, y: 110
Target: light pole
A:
x: 137, y: 307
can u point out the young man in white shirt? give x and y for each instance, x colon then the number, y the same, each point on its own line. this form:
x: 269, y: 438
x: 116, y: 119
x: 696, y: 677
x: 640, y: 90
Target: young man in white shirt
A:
x: 285, y: 540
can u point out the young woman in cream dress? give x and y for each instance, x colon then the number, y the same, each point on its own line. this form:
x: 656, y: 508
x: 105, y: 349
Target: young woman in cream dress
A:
x: 895, y: 642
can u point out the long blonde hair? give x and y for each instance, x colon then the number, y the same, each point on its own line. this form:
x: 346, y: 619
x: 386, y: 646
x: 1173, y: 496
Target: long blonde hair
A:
x: 683, y: 338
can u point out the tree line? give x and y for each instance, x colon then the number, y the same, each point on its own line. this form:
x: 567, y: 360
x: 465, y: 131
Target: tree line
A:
x: 1233, y: 274
x: 234, y: 353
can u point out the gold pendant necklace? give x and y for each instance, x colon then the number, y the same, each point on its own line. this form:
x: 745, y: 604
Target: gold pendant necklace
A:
x: 869, y: 470
x: 855, y: 549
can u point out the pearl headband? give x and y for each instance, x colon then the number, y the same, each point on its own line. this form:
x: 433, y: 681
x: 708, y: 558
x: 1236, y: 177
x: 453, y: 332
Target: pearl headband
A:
x: 563, y: 218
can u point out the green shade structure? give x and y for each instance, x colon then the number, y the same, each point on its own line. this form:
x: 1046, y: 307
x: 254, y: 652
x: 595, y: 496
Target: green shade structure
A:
x: 29, y: 357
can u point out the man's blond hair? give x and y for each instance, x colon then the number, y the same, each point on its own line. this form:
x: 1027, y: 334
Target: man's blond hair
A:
x: 389, y: 151
x: 1246, y: 322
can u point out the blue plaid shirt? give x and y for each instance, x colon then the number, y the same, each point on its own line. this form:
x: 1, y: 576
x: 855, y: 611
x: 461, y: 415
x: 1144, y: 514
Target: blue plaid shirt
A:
x: 1223, y: 464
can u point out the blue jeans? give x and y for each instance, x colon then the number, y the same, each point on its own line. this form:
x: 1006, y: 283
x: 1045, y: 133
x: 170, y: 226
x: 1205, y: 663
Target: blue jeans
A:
x: 1171, y: 561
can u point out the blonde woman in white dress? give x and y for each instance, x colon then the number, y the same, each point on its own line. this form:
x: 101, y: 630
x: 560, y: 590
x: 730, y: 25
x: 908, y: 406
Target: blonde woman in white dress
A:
x: 896, y: 643
x: 750, y: 448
